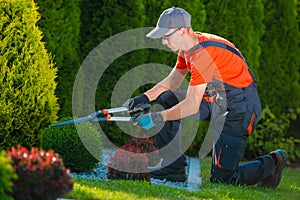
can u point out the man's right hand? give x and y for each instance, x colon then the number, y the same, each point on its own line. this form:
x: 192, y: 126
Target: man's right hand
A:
x: 131, y: 103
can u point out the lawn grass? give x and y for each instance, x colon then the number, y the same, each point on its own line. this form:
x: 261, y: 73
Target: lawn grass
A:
x: 289, y: 189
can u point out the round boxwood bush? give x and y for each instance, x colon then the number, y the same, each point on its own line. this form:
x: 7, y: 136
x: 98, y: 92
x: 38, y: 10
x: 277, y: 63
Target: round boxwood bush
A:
x: 66, y: 142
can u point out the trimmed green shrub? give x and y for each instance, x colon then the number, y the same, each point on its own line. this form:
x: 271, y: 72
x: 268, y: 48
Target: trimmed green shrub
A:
x: 271, y: 134
x: 41, y: 175
x: 6, y: 176
x: 27, y: 76
x: 66, y: 141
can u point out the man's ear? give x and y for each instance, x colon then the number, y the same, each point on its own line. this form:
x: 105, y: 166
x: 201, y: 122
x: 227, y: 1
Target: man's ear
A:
x: 182, y: 31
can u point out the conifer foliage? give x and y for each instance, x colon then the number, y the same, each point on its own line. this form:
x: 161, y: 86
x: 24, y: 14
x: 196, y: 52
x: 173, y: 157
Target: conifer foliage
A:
x: 60, y: 24
x: 280, y: 60
x: 27, y: 76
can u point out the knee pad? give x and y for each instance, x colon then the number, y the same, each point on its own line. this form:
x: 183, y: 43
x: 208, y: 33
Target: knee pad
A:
x: 167, y: 99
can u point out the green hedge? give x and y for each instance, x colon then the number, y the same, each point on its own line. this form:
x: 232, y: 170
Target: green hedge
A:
x: 66, y: 141
x: 60, y: 23
x: 27, y: 76
x: 279, y: 85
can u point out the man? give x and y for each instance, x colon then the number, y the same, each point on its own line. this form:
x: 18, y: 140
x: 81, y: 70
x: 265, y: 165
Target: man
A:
x: 231, y: 102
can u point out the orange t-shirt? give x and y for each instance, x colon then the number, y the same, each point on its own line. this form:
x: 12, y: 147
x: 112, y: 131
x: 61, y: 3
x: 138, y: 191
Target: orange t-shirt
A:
x: 213, y: 62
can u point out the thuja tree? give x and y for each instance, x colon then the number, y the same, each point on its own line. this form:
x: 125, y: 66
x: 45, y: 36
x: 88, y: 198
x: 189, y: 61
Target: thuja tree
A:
x: 93, y: 16
x: 27, y: 76
x: 60, y: 23
x: 280, y: 61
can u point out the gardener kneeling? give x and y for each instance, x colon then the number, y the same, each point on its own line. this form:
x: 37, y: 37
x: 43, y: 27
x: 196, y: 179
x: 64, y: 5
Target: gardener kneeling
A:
x: 213, y: 63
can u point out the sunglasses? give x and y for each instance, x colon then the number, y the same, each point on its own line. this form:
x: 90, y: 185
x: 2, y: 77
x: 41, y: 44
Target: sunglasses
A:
x: 166, y: 37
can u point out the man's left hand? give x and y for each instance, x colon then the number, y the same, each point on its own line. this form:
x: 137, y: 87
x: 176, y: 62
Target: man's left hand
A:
x: 149, y: 120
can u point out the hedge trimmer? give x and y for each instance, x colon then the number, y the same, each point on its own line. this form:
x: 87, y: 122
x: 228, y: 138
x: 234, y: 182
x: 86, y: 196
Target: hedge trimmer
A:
x: 108, y: 115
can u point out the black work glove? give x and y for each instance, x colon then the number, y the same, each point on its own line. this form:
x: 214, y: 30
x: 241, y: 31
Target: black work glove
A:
x: 133, y: 102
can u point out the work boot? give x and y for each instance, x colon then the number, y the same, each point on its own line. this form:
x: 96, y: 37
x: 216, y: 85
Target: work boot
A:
x: 169, y: 174
x: 280, y: 157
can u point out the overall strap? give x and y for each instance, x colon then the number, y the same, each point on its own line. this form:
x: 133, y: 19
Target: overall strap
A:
x: 225, y: 46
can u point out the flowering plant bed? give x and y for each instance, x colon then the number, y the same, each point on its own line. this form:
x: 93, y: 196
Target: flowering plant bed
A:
x: 41, y: 174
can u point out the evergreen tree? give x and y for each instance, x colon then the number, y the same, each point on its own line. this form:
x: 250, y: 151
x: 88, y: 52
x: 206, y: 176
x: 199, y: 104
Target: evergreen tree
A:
x: 92, y: 17
x: 298, y: 12
x: 60, y: 23
x: 102, y: 20
x: 153, y: 9
x: 118, y: 16
x: 280, y: 61
x: 27, y: 76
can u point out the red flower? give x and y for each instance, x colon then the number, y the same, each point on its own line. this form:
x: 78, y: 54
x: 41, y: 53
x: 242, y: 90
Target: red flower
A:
x: 37, y: 172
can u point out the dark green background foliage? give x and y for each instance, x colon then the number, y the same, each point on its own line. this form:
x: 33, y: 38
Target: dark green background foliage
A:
x: 280, y: 60
x: 60, y: 23
x: 27, y: 76
x: 66, y: 141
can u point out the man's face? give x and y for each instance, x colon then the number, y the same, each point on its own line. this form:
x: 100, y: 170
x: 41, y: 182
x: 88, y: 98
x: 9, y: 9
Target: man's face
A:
x: 172, y: 39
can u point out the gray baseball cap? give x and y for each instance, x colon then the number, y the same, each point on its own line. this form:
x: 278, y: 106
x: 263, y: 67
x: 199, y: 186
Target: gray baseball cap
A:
x: 170, y: 18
